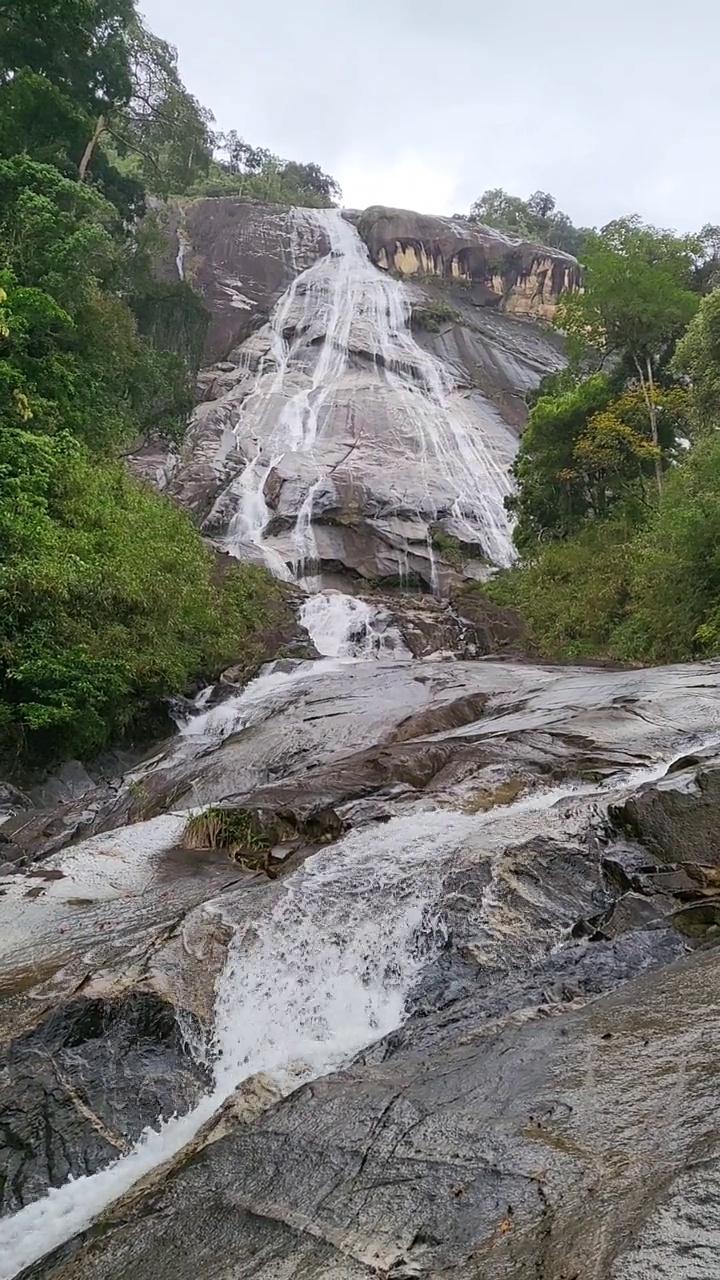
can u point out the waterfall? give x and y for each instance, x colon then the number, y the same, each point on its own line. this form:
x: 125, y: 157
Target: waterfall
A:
x: 323, y: 970
x: 340, y: 306
x: 343, y: 626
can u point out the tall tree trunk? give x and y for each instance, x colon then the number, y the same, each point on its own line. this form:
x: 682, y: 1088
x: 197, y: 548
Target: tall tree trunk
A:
x: 98, y: 131
x: 648, y: 390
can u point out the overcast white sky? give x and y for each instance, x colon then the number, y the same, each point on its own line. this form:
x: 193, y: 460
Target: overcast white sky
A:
x: 613, y: 106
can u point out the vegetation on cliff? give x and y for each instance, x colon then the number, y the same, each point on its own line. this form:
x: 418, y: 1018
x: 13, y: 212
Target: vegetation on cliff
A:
x: 536, y: 219
x: 618, y: 472
x: 108, y: 598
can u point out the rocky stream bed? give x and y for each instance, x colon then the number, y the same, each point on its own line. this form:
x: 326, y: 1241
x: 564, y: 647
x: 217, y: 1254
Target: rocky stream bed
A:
x: 468, y: 1028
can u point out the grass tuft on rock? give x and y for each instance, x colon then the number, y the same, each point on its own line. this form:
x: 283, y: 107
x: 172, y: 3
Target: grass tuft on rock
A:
x: 230, y: 829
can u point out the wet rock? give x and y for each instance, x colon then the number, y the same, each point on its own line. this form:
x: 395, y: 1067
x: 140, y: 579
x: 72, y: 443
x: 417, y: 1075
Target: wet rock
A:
x: 12, y: 801
x: 375, y: 501
x: 633, y: 911
x: 240, y: 256
x: 429, y: 626
x: 38, y: 833
x: 77, y: 1090
x: 624, y: 864
x: 495, y: 628
x: 555, y: 1077
x: 453, y: 715
x: 70, y: 782
x: 699, y: 919
x: 478, y: 1151
x: 678, y: 818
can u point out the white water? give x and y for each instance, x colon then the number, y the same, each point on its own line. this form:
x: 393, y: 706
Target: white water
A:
x: 324, y: 970
x: 343, y: 626
x: 257, y: 702
x: 343, y: 302
x: 306, y: 985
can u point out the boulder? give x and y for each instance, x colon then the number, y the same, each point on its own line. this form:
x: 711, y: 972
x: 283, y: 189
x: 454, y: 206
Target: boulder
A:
x: 78, y: 1089
x: 678, y: 818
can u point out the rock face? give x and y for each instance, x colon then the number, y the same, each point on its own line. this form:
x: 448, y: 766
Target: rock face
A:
x: 77, y: 1092
x: 484, y: 1155
x: 522, y: 279
x: 240, y: 256
x: 338, y: 428
x: 485, y: 866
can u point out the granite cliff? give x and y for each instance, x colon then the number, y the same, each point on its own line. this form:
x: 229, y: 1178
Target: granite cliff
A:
x: 350, y: 421
x: 521, y: 279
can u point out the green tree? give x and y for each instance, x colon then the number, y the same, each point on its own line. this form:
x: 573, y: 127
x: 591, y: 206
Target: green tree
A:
x: 636, y: 303
x: 697, y: 357
x: 674, y: 607
x: 255, y: 173
x: 80, y: 46
x: 550, y: 499
x: 160, y: 133
x: 536, y: 219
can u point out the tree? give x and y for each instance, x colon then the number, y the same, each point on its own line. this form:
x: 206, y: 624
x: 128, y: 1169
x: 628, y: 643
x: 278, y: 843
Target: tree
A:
x: 311, y: 181
x: 550, y: 500
x: 707, y: 271
x: 256, y: 173
x: 697, y: 356
x: 161, y: 126
x: 536, y: 219
x: 636, y: 303
x: 79, y: 46
x: 239, y: 157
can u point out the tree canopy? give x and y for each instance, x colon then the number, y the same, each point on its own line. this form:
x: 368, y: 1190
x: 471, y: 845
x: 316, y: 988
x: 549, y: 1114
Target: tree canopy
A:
x: 536, y: 218
x: 109, y: 599
x: 618, y: 471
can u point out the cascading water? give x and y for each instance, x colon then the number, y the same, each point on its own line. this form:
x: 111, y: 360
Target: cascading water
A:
x: 343, y: 626
x: 314, y: 978
x: 341, y: 305
x: 305, y: 986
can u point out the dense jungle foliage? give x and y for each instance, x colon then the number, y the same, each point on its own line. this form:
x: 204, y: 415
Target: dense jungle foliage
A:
x: 108, y: 598
x: 618, y: 474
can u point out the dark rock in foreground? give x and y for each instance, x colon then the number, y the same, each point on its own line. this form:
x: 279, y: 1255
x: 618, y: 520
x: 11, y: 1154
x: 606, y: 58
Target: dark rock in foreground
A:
x: 78, y: 1090
x: 543, y: 1147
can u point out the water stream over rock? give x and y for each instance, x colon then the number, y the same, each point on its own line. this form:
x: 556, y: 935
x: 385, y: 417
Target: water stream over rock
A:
x: 479, y: 865
x: 438, y: 455
x: 400, y: 961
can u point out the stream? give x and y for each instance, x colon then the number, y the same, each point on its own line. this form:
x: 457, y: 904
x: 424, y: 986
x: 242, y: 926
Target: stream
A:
x: 328, y: 964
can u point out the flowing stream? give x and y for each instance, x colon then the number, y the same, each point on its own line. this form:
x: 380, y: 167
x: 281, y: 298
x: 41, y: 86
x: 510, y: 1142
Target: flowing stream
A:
x: 324, y: 969
x: 341, y: 305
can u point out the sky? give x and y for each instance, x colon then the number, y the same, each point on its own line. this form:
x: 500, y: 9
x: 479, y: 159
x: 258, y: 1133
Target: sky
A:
x: 613, y: 106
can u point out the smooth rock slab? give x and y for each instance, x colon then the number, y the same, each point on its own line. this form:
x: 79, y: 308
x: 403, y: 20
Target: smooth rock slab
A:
x: 542, y: 1150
